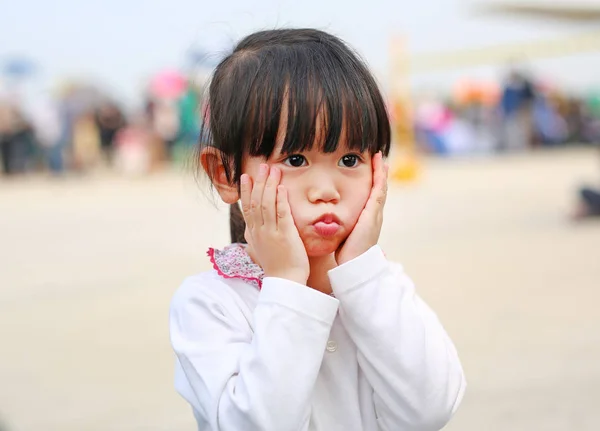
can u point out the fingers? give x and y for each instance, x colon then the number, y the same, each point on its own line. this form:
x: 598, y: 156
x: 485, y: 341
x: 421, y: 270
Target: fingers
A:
x: 284, y: 212
x: 257, y: 195
x: 245, y: 196
x: 378, y: 171
x: 247, y: 235
x: 380, y: 174
x: 268, y: 209
x: 386, y: 175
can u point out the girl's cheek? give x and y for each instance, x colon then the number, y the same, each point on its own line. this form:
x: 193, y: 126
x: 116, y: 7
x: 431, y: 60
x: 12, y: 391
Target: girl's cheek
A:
x: 288, y: 177
x: 360, y: 194
x: 294, y: 210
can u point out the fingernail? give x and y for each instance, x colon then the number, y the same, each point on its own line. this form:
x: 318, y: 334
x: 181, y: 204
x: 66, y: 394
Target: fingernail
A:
x: 264, y: 169
x: 274, y: 170
x: 244, y: 179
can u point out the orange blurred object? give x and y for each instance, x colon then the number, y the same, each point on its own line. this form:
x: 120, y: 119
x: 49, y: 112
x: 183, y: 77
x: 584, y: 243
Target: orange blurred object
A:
x: 468, y: 92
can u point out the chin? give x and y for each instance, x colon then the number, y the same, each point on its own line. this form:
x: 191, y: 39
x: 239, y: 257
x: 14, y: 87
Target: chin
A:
x: 321, y: 247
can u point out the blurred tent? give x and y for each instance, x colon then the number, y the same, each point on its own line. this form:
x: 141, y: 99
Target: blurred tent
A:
x: 503, y: 54
x: 575, y: 10
x: 560, y: 10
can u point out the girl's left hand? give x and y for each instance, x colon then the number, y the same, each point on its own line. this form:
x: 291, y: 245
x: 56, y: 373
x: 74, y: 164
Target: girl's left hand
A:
x: 366, y: 232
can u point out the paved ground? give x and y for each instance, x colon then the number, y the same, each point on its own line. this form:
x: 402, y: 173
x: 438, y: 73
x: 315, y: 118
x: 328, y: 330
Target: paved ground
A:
x: 89, y: 266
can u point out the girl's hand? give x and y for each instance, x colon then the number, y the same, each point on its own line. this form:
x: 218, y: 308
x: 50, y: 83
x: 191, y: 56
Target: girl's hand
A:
x: 270, y: 229
x: 366, y: 232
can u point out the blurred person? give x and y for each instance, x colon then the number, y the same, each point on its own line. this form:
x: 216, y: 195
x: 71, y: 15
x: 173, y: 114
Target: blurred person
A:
x: 46, y: 119
x: 86, y: 143
x: 67, y: 110
x: 430, y: 119
x: 158, y: 147
x: 478, y: 131
x: 577, y: 120
x: 165, y: 122
x: 149, y: 110
x: 460, y: 136
x: 550, y: 126
x: 515, y: 107
x: 443, y: 131
x: 304, y: 324
x: 134, y: 153
x: 6, y: 129
x: 16, y: 140
x: 109, y: 120
x: 588, y: 204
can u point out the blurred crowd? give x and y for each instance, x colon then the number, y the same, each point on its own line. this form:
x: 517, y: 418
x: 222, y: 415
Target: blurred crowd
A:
x: 82, y: 129
x: 520, y: 113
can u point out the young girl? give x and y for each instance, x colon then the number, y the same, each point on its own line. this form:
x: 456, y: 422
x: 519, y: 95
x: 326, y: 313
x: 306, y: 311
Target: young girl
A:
x: 305, y: 325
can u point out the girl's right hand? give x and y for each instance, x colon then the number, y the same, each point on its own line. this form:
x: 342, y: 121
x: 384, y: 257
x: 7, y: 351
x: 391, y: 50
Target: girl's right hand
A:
x: 270, y: 228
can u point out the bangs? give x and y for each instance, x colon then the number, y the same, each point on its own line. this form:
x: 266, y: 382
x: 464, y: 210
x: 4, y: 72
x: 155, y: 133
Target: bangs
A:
x: 303, y: 87
x: 314, y: 100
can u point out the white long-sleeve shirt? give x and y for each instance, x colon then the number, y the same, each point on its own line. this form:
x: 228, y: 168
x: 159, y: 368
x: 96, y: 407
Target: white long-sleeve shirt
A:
x: 290, y: 358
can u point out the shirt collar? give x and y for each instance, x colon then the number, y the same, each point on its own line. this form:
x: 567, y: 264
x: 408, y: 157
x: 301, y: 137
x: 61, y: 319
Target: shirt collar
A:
x: 234, y: 261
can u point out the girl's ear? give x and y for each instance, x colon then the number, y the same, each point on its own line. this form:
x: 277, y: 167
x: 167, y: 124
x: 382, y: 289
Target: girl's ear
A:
x: 212, y: 162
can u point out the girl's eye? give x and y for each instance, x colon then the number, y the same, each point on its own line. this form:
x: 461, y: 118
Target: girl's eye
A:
x: 295, y: 160
x: 349, y: 161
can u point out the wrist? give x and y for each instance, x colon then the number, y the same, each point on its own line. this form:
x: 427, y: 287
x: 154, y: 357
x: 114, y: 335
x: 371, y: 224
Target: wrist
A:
x: 346, y: 256
x: 295, y: 276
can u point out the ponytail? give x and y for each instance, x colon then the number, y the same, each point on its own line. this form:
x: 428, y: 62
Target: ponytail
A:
x: 237, y: 225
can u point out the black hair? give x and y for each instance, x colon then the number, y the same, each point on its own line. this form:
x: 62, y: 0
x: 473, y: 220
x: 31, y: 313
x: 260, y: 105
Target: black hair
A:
x: 325, y: 87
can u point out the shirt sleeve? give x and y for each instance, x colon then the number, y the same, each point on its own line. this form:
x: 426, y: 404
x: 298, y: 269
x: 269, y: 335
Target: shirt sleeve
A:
x: 237, y: 379
x: 403, y: 350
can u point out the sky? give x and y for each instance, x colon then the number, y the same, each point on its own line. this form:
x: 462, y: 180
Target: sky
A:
x: 120, y: 43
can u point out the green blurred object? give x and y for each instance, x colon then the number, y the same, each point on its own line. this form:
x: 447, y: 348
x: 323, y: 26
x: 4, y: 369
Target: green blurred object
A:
x: 182, y: 155
x: 593, y: 101
x: 189, y: 128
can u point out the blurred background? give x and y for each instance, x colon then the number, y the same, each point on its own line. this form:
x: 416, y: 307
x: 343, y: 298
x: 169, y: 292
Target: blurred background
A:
x: 492, y: 207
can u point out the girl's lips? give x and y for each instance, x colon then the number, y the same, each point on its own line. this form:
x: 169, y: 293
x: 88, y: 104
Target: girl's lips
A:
x: 327, y: 225
x: 326, y: 229
x: 328, y: 218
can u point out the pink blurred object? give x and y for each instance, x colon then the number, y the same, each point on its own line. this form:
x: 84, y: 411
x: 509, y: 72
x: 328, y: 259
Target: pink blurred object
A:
x: 168, y: 84
x: 546, y: 85
x: 434, y: 116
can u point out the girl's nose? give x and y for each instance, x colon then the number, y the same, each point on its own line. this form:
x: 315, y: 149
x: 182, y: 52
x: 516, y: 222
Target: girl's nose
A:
x: 323, y: 189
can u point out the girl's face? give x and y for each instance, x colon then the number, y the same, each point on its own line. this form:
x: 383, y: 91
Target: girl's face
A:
x: 327, y: 193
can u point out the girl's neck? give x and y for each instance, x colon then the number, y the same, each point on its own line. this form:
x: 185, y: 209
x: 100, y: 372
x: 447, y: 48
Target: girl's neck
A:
x: 319, y: 266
